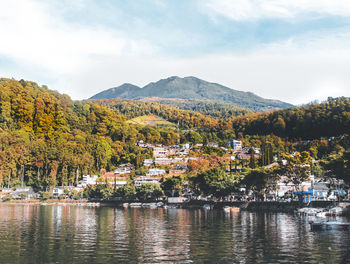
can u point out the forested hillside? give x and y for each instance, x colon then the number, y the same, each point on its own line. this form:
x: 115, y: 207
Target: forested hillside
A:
x: 330, y: 118
x: 211, y: 108
x: 47, y: 139
x: 134, y: 108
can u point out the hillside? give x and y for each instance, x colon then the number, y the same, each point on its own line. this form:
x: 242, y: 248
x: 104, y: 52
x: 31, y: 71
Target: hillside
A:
x: 135, y: 108
x: 151, y: 120
x: 192, y: 88
x: 46, y: 139
x: 328, y: 119
x: 210, y: 108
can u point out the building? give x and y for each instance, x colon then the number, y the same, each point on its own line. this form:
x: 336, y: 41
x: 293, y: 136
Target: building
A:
x: 235, y: 144
x: 148, y: 162
x: 155, y: 172
x: 159, y: 152
x: 163, y: 161
x: 145, y: 179
x: 57, y: 191
x: 186, y: 146
x: 213, y: 145
x: 87, y: 180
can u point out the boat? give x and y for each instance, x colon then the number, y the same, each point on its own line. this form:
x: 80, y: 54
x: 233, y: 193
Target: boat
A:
x: 206, y: 207
x: 329, y: 225
x: 335, y: 211
x: 227, y: 209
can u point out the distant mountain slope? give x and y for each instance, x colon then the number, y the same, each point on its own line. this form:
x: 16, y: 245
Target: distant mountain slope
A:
x: 207, y: 107
x: 125, y: 91
x: 192, y: 88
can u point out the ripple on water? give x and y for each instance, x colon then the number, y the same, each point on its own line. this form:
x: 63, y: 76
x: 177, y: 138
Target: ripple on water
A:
x: 71, y: 234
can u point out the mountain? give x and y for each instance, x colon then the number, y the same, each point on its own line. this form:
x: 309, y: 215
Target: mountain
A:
x: 125, y: 91
x: 192, y: 88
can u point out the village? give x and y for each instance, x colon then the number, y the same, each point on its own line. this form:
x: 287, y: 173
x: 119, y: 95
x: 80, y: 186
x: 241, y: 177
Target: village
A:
x: 178, y: 160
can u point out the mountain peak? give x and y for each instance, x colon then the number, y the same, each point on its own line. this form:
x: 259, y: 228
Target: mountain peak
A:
x: 191, y: 87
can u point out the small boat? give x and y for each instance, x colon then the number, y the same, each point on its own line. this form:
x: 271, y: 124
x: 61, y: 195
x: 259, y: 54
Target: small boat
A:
x: 207, y: 207
x: 322, y: 214
x: 335, y: 211
x: 329, y: 225
x: 227, y: 209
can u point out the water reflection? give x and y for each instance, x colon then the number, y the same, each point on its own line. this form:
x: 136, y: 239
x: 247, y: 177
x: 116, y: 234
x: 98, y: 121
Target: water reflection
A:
x: 73, y: 234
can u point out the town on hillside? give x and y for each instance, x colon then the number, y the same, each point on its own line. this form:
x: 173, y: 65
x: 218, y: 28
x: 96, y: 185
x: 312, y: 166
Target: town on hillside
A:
x: 183, y: 172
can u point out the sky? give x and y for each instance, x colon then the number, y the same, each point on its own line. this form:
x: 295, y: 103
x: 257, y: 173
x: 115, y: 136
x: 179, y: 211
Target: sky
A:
x: 296, y: 51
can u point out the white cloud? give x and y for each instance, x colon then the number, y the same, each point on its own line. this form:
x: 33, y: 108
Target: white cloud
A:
x: 32, y: 34
x: 80, y: 60
x: 284, y: 9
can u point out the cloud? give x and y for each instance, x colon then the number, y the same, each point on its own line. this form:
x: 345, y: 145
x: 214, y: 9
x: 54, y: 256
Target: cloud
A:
x: 243, y: 10
x: 34, y: 35
x: 81, y: 57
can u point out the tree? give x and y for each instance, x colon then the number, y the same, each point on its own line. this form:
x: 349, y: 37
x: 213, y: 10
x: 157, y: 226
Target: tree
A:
x: 127, y: 191
x: 149, y: 191
x: 256, y: 180
x: 173, y: 186
x: 214, y: 182
x: 296, y: 168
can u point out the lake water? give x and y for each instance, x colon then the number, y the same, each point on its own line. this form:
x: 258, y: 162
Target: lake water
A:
x: 73, y: 234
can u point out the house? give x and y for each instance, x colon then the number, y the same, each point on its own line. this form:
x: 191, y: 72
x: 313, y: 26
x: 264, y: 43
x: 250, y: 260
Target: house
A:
x: 141, y: 144
x: 87, y: 180
x: 148, y: 162
x: 145, y: 179
x: 160, y: 152
x: 155, y: 172
x: 213, y: 145
x: 163, y: 161
x: 235, y: 144
x: 57, y: 191
x: 186, y: 146
x: 28, y: 192
x: 178, y: 169
x: 122, y: 171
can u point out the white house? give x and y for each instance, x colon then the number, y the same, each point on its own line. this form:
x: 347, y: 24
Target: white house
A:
x: 57, y: 191
x: 155, y: 172
x: 148, y: 162
x: 236, y: 144
x: 87, y: 180
x: 159, y: 152
x: 144, y: 179
x: 124, y: 170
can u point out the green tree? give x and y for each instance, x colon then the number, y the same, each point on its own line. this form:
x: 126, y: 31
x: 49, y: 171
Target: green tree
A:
x: 149, y: 191
x: 214, y: 182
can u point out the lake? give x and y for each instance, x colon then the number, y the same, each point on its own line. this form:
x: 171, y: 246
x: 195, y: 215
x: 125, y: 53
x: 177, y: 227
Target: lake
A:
x: 76, y: 234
